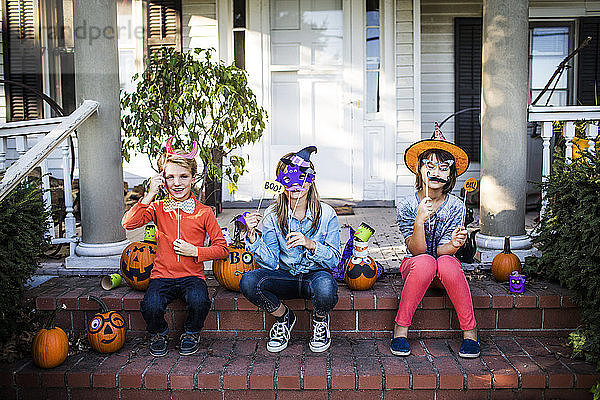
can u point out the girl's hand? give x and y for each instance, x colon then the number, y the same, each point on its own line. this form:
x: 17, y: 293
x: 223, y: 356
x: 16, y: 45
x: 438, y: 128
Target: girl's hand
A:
x: 252, y: 222
x: 425, y: 210
x: 297, y: 239
x: 459, y: 237
x: 184, y: 248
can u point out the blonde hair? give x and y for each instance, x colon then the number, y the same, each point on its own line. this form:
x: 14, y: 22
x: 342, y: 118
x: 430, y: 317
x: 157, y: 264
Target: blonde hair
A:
x: 189, y: 164
x: 282, y: 203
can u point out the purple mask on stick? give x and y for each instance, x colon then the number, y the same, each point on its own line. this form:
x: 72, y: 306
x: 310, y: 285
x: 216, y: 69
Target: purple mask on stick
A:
x: 517, y: 282
x: 293, y: 177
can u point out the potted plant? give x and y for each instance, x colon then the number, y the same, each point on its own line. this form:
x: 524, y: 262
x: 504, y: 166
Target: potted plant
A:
x: 192, y: 97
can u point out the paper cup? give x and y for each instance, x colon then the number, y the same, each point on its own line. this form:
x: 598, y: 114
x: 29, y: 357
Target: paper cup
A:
x: 111, y: 281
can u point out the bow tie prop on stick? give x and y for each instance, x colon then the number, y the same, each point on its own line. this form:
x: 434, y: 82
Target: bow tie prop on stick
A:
x: 470, y: 186
x: 188, y: 206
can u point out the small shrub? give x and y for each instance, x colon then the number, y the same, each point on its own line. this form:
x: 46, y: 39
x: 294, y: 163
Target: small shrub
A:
x: 23, y: 238
x: 569, y: 238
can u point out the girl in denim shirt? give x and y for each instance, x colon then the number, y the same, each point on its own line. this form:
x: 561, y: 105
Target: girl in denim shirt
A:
x: 298, y: 248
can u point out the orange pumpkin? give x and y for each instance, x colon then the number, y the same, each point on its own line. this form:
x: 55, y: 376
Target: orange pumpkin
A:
x: 505, y: 263
x: 106, y: 329
x: 360, y: 273
x: 137, y: 261
x: 50, y: 345
x: 228, y: 272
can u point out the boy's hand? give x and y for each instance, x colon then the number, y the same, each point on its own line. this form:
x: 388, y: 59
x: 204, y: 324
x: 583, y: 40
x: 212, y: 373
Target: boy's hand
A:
x: 156, y: 182
x: 459, y: 237
x: 184, y: 248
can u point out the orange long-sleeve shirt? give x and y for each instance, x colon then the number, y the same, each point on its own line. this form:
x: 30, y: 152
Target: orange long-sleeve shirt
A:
x: 192, y: 228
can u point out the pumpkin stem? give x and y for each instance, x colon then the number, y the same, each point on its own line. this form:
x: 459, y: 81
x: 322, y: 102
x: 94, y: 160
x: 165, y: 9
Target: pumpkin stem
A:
x: 52, y: 317
x: 98, y: 300
x: 507, y: 245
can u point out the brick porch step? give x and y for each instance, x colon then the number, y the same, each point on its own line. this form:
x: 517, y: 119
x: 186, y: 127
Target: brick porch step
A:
x: 510, y: 367
x: 543, y: 310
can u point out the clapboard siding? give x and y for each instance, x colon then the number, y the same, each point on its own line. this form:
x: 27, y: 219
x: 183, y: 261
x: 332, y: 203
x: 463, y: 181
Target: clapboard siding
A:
x: 2, y: 93
x: 199, y: 24
x: 405, y: 132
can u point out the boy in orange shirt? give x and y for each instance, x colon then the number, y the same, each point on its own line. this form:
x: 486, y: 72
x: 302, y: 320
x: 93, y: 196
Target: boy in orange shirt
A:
x: 182, y: 223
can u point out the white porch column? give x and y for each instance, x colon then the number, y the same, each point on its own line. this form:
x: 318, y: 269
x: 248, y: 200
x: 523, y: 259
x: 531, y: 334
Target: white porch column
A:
x: 503, y: 127
x: 100, y: 166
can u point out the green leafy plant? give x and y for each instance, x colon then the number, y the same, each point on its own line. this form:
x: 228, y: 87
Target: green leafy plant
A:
x: 568, y: 238
x: 23, y: 238
x: 194, y: 98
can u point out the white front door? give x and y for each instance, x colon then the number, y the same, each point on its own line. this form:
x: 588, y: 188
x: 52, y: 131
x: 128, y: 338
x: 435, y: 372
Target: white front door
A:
x: 310, y: 54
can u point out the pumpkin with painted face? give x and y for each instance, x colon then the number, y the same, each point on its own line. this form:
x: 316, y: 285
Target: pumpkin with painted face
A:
x: 137, y: 260
x: 360, y: 272
x: 229, y: 272
x: 106, y: 329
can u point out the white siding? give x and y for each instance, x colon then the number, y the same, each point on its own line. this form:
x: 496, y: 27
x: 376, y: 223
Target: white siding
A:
x: 405, y: 106
x: 199, y: 24
x: 2, y: 93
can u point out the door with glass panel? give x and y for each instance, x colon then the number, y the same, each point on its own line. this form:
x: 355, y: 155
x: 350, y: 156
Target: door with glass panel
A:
x: 309, y: 57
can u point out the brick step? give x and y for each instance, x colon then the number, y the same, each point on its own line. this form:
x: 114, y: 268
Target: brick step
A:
x: 509, y: 367
x: 543, y: 310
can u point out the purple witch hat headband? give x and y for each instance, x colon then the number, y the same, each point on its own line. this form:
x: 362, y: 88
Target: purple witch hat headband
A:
x: 297, y: 170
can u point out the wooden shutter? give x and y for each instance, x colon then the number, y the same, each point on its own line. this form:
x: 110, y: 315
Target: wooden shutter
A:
x: 588, y: 63
x: 22, y: 58
x: 162, y: 25
x: 467, y: 84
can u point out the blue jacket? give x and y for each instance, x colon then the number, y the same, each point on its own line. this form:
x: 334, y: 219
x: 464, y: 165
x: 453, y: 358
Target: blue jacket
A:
x: 271, y: 251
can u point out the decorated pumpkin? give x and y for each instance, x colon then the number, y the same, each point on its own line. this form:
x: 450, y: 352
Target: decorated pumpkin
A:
x: 505, y: 263
x: 50, y: 345
x: 360, y: 272
x: 137, y: 260
x: 106, y: 329
x: 229, y: 272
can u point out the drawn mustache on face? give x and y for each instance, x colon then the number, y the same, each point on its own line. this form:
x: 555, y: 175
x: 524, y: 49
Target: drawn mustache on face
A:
x: 437, y: 179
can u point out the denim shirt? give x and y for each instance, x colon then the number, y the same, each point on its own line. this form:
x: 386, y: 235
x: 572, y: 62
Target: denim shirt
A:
x: 271, y: 251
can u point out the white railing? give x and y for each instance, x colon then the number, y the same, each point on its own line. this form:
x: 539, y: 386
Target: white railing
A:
x: 569, y: 115
x: 50, y: 134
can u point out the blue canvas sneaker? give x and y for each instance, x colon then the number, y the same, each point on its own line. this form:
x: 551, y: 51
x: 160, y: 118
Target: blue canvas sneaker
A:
x: 469, y: 349
x: 400, y: 346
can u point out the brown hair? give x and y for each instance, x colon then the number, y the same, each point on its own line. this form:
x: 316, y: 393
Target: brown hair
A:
x: 441, y: 155
x: 282, y: 204
x: 189, y: 164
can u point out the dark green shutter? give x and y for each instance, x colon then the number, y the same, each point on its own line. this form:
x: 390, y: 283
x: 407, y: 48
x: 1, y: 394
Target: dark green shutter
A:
x: 588, y: 63
x: 22, y: 58
x: 467, y: 84
x: 162, y: 25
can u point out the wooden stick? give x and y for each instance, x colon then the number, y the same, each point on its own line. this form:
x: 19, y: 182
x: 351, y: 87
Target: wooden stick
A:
x: 427, y: 195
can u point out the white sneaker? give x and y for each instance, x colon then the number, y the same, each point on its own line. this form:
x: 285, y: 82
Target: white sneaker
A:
x: 279, y: 335
x: 321, y: 338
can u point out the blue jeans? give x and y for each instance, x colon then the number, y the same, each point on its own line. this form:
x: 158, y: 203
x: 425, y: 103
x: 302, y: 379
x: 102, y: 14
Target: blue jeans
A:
x: 162, y: 291
x: 266, y: 289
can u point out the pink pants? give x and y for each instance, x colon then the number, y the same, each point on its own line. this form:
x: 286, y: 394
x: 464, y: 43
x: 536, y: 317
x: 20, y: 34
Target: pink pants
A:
x: 418, y: 272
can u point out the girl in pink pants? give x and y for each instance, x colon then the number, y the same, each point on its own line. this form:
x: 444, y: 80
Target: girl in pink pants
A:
x: 431, y: 221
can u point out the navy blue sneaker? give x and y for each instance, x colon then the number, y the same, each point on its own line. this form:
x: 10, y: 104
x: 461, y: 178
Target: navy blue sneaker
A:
x: 469, y: 349
x: 190, y: 343
x: 400, y: 346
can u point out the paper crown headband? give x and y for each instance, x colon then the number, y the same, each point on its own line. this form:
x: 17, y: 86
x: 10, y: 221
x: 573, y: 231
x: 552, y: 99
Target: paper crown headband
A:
x: 190, y: 155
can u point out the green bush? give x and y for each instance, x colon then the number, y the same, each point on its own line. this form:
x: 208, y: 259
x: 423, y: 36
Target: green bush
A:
x: 23, y: 238
x: 569, y: 238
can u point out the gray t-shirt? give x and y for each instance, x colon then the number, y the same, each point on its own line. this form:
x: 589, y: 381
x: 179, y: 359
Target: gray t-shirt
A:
x: 447, y: 218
